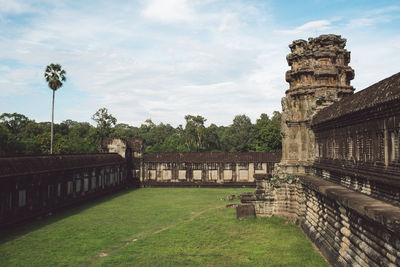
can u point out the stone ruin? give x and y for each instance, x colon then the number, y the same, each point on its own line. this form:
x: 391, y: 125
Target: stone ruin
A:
x: 33, y: 186
x: 339, y: 177
x: 319, y: 77
x: 232, y: 169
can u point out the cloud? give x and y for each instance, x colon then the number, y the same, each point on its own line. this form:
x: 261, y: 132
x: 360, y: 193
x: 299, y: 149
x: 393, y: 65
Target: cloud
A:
x: 168, y: 10
x: 362, y: 22
x: 12, y: 6
x: 17, y: 81
x: 383, y: 10
x: 166, y: 59
x: 309, y: 27
x: 375, y: 16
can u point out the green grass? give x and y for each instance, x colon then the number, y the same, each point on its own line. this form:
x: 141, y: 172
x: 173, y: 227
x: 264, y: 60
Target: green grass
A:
x: 158, y: 227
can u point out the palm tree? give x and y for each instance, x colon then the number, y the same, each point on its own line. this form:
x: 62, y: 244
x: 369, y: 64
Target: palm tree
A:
x: 54, y: 75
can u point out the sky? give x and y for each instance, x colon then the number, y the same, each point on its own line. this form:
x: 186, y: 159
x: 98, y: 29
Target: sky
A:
x: 164, y: 59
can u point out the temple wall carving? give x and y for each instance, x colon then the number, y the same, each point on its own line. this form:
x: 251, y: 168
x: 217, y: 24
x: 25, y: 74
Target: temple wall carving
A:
x: 319, y: 76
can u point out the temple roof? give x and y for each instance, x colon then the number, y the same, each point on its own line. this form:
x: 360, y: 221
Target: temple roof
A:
x: 381, y: 92
x: 21, y: 165
x: 209, y: 157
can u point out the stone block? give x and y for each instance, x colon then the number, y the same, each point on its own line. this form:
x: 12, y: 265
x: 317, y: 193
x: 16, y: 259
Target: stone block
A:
x: 245, y: 211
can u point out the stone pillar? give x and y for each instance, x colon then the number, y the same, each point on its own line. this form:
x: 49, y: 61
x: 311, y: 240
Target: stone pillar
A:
x: 319, y: 76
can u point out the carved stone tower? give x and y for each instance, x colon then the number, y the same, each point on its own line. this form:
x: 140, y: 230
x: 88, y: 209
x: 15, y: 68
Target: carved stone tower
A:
x: 319, y: 76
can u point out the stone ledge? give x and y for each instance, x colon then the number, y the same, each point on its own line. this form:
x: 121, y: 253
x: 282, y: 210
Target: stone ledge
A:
x: 383, y: 175
x: 376, y: 210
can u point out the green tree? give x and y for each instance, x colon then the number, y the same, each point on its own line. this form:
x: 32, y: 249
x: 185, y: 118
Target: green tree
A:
x: 14, y: 122
x: 105, y: 123
x: 76, y: 137
x: 55, y: 76
x: 14, y: 129
x: 239, y: 134
x: 267, y: 136
x: 194, y: 132
x: 122, y: 130
x: 4, y: 142
x: 211, y: 138
x: 31, y: 131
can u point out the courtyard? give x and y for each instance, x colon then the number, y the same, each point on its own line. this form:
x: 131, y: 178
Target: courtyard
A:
x: 158, y: 227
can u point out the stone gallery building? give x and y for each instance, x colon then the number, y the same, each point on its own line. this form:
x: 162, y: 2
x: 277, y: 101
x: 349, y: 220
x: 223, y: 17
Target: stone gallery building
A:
x: 338, y: 175
x: 33, y: 186
x: 233, y: 169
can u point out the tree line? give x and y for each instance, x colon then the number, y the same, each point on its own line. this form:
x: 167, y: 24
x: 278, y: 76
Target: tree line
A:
x: 21, y: 135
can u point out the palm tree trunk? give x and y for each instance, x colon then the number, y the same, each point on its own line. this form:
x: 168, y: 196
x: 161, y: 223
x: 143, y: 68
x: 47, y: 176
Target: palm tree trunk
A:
x: 52, y: 122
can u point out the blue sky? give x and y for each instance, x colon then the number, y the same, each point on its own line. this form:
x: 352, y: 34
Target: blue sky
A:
x: 164, y: 59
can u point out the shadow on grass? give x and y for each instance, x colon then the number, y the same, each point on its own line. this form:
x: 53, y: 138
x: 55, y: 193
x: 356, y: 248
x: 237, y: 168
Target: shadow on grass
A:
x: 33, y: 224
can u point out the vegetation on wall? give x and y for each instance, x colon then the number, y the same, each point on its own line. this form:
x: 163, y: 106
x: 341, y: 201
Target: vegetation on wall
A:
x: 21, y: 135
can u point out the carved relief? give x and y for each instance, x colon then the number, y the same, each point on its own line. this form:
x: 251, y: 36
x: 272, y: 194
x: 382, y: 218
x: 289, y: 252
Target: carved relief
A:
x: 319, y: 76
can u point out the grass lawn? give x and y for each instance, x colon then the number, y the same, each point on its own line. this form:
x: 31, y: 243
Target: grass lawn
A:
x: 158, y: 227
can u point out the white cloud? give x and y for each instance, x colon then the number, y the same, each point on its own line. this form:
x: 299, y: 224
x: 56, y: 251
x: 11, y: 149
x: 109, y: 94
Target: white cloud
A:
x: 373, y: 60
x: 309, y: 27
x: 17, y: 81
x: 12, y: 6
x: 375, y: 16
x: 362, y: 22
x: 168, y: 10
x: 383, y: 10
x: 229, y: 22
x: 217, y: 62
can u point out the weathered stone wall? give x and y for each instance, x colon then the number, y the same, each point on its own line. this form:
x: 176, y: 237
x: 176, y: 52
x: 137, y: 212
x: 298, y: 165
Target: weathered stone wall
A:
x: 350, y: 229
x: 339, y: 177
x: 132, y: 150
x: 31, y: 186
x: 360, y: 135
x: 281, y: 199
x: 205, y: 168
x: 319, y: 76
x: 191, y: 168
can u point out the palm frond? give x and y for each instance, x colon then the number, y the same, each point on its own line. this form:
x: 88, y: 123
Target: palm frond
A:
x: 55, y: 75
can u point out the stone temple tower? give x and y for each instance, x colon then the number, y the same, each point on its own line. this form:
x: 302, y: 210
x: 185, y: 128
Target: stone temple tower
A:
x: 319, y: 76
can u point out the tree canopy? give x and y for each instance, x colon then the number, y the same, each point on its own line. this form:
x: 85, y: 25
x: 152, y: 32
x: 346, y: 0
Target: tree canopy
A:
x: 55, y: 76
x: 21, y: 135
